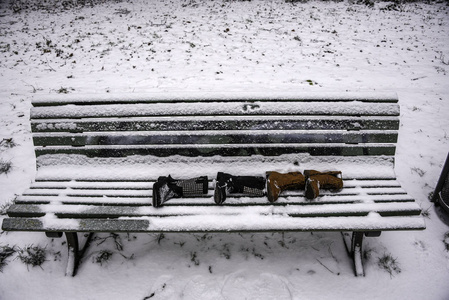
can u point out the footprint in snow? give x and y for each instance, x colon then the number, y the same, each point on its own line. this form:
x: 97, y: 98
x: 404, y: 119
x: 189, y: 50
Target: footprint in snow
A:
x: 203, y: 288
x: 251, y: 286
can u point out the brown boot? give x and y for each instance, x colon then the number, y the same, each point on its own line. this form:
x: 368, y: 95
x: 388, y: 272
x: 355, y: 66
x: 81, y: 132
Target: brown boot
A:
x: 321, y: 180
x: 278, y: 182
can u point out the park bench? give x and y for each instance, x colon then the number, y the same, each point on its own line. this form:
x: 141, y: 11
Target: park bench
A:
x: 98, y: 156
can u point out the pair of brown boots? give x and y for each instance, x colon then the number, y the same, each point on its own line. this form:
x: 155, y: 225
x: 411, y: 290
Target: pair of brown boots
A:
x: 312, y: 181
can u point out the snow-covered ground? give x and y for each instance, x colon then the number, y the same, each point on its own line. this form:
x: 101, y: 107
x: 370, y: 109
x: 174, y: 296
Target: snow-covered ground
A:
x: 177, y: 46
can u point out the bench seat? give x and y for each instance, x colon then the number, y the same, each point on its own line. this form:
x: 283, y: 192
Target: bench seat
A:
x: 366, y: 205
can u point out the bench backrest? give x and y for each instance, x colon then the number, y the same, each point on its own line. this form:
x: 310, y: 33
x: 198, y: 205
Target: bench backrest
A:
x: 344, y: 124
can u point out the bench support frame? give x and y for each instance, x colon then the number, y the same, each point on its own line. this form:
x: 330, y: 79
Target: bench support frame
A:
x: 354, y: 246
x: 353, y: 243
x: 75, y: 253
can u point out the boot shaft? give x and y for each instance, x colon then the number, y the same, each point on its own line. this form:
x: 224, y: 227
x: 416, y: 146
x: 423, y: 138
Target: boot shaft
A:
x: 327, y: 180
x: 287, y: 181
x: 321, y: 180
x: 278, y: 182
x: 229, y: 184
x: 193, y: 187
x: 166, y: 188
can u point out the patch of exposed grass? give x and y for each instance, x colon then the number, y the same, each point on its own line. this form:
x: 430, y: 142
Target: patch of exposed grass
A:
x: 5, y: 166
x: 102, y: 257
x: 52, y: 6
x: 7, y: 143
x: 4, y: 207
x: 32, y: 255
x: 446, y: 240
x: 426, y: 213
x: 64, y: 90
x: 5, y: 252
x: 390, y: 264
x: 194, y: 258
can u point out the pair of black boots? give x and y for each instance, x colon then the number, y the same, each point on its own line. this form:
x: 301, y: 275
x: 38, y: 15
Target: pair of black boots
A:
x: 166, y: 188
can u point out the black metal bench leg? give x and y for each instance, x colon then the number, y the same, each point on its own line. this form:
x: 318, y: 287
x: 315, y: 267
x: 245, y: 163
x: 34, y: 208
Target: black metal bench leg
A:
x: 75, y: 254
x: 357, y: 252
x: 353, y: 245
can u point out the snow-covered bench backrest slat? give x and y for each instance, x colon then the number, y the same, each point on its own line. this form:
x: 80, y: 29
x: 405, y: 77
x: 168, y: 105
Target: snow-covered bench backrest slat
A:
x: 222, y: 124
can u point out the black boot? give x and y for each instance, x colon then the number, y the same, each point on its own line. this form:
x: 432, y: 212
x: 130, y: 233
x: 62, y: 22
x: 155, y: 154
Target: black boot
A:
x: 166, y: 188
x: 228, y: 184
x: 193, y: 187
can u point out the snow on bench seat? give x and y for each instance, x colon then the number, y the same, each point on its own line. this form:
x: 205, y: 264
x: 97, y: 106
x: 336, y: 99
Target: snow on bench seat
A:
x: 210, y: 223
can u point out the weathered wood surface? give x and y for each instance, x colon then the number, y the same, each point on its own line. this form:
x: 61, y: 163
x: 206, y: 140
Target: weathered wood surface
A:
x: 65, y: 201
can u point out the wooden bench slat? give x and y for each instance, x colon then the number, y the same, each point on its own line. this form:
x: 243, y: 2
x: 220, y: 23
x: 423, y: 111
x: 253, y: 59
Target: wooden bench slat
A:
x: 86, y: 225
x: 148, y: 184
x: 210, y: 223
x: 55, y: 100
x: 147, y: 192
x: 84, y: 200
x: 372, y: 222
x: 217, y: 109
x: 195, y: 150
x: 324, y: 210
x: 88, y: 193
x: 208, y: 200
x: 215, y: 137
x: 94, y: 185
x: 215, y: 123
x: 142, y: 168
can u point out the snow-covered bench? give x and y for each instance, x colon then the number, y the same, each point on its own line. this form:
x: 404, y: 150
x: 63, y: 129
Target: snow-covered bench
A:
x: 98, y: 157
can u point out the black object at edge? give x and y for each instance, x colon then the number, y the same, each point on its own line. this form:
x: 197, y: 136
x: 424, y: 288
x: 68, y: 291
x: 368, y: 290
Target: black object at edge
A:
x: 438, y: 197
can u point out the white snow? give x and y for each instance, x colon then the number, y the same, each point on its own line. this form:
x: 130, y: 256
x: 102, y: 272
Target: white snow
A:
x: 118, y: 110
x: 255, y: 222
x: 125, y: 50
x: 216, y: 96
x: 144, y: 168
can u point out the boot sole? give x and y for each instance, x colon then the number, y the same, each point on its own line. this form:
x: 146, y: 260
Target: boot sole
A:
x: 219, y: 195
x: 156, y: 197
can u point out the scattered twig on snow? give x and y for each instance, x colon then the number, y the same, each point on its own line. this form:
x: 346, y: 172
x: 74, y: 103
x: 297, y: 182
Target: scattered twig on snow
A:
x: 326, y: 267
x: 164, y: 23
x: 117, y: 240
x: 332, y: 254
x: 160, y: 237
x: 417, y: 78
x: 443, y: 60
x: 48, y: 64
x: 122, y: 11
x: 426, y: 213
x: 34, y: 88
